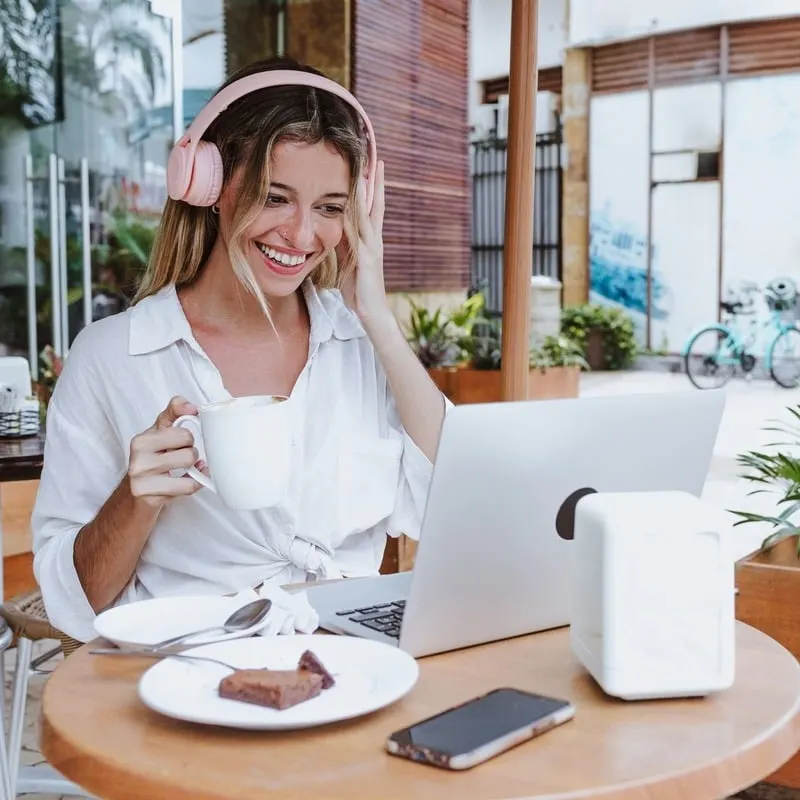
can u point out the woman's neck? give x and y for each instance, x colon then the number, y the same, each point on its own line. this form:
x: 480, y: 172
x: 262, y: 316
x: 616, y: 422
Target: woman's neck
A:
x: 217, y: 300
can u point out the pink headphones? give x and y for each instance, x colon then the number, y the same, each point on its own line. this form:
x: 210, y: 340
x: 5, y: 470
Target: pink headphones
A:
x: 194, y: 169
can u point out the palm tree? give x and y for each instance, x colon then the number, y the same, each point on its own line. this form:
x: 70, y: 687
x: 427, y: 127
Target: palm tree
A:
x: 111, y: 51
x: 27, y: 42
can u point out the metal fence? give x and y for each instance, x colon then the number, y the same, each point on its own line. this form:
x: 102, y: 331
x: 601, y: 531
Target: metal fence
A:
x: 488, y: 214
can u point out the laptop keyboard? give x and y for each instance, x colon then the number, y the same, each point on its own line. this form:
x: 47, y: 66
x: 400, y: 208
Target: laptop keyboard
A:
x: 384, y: 617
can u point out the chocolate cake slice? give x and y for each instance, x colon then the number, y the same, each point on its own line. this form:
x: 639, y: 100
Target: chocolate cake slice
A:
x: 309, y: 661
x: 277, y: 689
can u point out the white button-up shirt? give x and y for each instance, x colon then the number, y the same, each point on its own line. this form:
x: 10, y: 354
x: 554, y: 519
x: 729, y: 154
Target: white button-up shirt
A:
x: 357, y: 475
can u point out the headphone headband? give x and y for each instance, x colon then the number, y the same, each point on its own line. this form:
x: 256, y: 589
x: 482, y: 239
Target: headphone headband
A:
x: 194, y: 170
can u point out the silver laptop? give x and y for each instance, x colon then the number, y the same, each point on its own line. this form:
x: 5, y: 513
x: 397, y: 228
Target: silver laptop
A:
x: 494, y: 556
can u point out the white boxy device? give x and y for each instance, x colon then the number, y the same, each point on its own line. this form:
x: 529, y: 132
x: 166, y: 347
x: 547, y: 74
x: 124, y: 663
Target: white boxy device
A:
x: 653, y: 611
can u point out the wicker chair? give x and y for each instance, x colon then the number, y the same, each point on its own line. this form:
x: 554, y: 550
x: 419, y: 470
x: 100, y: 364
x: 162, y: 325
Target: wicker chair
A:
x: 27, y: 620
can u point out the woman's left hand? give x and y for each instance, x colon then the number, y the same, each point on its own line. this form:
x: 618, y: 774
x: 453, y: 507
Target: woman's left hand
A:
x: 369, y: 293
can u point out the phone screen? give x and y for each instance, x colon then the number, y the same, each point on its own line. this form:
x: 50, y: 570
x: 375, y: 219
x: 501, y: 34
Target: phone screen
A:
x: 467, y: 727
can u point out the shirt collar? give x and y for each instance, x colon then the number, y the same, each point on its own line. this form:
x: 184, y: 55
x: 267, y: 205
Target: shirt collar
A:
x: 158, y: 321
x: 329, y: 314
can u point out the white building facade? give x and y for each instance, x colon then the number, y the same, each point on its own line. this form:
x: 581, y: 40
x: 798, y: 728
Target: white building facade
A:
x: 693, y: 148
x: 694, y: 152
x: 490, y: 31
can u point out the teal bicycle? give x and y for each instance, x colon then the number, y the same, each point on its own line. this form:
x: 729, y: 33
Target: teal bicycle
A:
x: 716, y: 352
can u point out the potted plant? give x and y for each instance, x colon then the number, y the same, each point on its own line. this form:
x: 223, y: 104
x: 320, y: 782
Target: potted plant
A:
x: 555, y: 367
x: 438, y: 337
x: 606, y: 334
x: 768, y: 581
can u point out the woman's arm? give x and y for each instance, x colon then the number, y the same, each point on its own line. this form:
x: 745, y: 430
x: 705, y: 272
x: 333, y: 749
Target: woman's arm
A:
x: 107, y: 550
x: 420, y: 404
x: 93, y: 512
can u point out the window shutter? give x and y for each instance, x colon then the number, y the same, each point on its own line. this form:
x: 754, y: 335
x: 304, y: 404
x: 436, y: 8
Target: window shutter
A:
x: 550, y: 79
x: 754, y: 48
x: 621, y: 67
x: 764, y: 47
x: 687, y: 57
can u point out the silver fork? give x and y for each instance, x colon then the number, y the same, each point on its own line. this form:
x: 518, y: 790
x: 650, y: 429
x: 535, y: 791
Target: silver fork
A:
x: 113, y: 651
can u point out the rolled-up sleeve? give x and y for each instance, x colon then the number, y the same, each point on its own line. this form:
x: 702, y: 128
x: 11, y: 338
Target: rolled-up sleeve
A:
x: 416, y: 471
x: 83, y: 464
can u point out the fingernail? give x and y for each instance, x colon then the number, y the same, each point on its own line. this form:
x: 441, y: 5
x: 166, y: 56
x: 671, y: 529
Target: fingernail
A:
x: 201, y: 465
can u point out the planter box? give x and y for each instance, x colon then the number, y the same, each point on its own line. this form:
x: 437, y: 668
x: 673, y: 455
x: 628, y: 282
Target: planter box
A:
x: 769, y: 600
x: 466, y: 385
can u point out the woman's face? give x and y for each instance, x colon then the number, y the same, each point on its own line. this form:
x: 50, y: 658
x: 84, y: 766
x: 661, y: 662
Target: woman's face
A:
x: 303, y: 219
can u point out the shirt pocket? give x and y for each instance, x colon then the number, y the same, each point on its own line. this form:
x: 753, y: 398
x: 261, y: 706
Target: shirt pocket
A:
x: 368, y: 477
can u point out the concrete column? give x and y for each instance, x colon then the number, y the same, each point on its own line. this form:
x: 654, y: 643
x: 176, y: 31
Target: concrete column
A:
x: 250, y: 33
x: 575, y: 220
x: 315, y: 32
x: 318, y: 33
x: 545, y: 308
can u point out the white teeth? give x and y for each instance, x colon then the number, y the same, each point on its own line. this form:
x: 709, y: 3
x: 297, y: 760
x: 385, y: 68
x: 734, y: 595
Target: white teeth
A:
x: 281, y: 258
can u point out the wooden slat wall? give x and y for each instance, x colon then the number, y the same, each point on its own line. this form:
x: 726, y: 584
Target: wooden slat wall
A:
x: 766, y: 47
x: 550, y: 79
x: 410, y: 73
x: 756, y: 48
x: 621, y: 67
x: 685, y: 57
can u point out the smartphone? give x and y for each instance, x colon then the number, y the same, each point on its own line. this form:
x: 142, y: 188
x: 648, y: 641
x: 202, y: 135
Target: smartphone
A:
x: 475, y: 731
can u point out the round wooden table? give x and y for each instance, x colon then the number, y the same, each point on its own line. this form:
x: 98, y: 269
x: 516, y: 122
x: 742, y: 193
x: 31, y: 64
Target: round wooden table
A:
x: 97, y: 733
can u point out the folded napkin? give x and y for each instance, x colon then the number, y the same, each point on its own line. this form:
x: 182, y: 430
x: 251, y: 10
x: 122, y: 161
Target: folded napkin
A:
x: 290, y: 612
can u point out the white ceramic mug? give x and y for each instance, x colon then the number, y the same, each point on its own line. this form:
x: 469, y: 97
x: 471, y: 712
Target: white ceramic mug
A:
x: 247, y: 444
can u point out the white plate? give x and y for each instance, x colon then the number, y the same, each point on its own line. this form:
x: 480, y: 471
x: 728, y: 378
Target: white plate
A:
x: 148, y: 622
x: 369, y: 675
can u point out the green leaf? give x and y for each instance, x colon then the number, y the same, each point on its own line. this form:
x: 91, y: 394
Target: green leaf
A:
x: 775, y: 468
x: 787, y: 512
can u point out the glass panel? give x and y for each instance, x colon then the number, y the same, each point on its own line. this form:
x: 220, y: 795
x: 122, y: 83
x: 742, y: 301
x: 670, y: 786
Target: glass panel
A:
x: 114, y: 140
x: 30, y: 106
x: 86, y: 124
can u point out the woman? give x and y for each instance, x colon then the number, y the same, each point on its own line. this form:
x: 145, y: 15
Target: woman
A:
x: 241, y: 298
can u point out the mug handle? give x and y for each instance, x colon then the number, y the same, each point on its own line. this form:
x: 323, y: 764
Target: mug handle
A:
x: 192, y: 423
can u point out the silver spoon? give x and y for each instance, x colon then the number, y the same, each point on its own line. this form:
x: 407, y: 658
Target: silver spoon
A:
x: 243, y: 618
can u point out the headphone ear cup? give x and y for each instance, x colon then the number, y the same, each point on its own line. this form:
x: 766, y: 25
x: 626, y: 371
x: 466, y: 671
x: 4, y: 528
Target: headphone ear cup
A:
x: 206, y: 182
x: 179, y: 172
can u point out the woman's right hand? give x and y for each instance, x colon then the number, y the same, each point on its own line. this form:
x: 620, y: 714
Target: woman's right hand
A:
x: 158, y: 450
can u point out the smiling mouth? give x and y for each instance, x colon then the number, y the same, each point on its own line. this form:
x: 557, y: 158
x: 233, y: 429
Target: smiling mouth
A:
x: 282, y: 262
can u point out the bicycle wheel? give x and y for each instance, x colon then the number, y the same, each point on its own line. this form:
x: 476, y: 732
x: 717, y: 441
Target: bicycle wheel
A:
x: 711, y: 357
x: 783, y: 358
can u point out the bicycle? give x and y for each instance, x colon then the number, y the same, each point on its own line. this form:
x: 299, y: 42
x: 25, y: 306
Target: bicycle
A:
x: 731, y: 344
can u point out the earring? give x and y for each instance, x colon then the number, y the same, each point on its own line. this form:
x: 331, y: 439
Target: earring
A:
x: 215, y: 208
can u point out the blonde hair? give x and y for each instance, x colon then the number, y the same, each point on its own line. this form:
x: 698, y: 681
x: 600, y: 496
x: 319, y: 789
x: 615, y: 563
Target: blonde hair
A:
x: 246, y: 134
